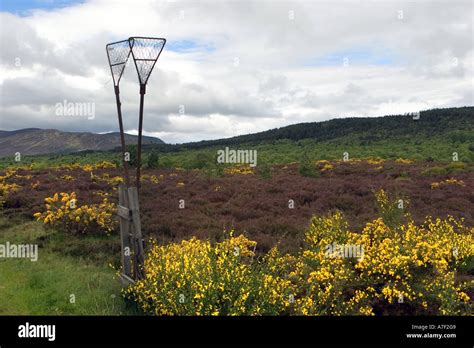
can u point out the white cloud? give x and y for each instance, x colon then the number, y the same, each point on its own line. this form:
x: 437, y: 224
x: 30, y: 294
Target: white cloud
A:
x: 288, y: 71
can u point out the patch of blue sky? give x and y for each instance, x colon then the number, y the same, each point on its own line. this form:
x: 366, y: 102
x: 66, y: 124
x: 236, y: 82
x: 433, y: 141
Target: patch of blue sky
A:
x: 24, y: 7
x: 188, y: 46
x: 355, y: 56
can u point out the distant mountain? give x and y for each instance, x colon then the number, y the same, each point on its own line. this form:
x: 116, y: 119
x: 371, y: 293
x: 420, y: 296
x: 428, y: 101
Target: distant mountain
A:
x: 455, y: 124
x: 35, y: 141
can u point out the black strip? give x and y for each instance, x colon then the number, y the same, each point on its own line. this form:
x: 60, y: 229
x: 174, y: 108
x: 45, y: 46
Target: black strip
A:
x: 290, y: 331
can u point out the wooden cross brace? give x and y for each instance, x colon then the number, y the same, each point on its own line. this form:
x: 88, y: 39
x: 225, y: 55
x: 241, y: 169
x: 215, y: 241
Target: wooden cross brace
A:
x: 130, y: 234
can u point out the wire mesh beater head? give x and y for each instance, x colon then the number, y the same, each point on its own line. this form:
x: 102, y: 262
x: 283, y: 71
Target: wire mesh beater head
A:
x: 145, y: 52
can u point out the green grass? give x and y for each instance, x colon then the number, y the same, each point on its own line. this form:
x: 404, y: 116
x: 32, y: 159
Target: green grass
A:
x: 44, y: 287
x: 438, y: 148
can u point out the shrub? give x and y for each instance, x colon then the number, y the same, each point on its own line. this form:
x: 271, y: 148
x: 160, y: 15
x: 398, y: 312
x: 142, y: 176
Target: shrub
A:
x: 404, y: 269
x: 153, y: 160
x: 447, y: 182
x: 403, y: 161
x: 132, y: 150
x: 392, y: 211
x: 455, y: 167
x: 413, y: 265
x: 434, y: 171
x: 5, y: 188
x: 63, y: 212
x: 307, y: 167
x: 105, y: 165
x: 203, y: 160
x: 166, y: 162
x: 239, y: 170
x: 196, y: 278
x: 265, y: 171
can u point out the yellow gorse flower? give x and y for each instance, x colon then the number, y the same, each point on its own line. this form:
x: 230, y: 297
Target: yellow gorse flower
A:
x: 63, y: 211
x: 447, y: 182
x: 400, y: 262
x: 196, y: 277
x: 242, y: 170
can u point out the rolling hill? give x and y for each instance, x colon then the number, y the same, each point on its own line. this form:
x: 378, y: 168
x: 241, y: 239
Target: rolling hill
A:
x: 35, y: 141
x: 436, y: 122
x: 441, y: 126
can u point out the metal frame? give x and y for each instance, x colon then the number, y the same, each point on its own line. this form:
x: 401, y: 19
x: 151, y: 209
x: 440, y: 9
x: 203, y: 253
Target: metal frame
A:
x: 119, y: 106
x: 116, y: 83
x: 128, y: 207
x: 131, y: 41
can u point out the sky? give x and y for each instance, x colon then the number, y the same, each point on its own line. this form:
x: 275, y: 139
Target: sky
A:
x: 233, y: 67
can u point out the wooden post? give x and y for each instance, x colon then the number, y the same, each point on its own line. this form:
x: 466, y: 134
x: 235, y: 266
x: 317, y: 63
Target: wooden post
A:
x: 137, y: 239
x: 125, y: 218
x: 130, y: 234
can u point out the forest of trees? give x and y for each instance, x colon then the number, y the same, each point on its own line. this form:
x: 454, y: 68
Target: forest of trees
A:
x: 457, y: 123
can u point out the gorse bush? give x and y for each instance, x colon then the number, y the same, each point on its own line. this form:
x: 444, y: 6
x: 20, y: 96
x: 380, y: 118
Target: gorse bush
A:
x: 196, y: 278
x: 383, y: 269
x: 64, y: 212
x: 447, y: 182
x: 6, y: 188
x: 240, y: 170
x: 392, y: 211
x: 411, y: 266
